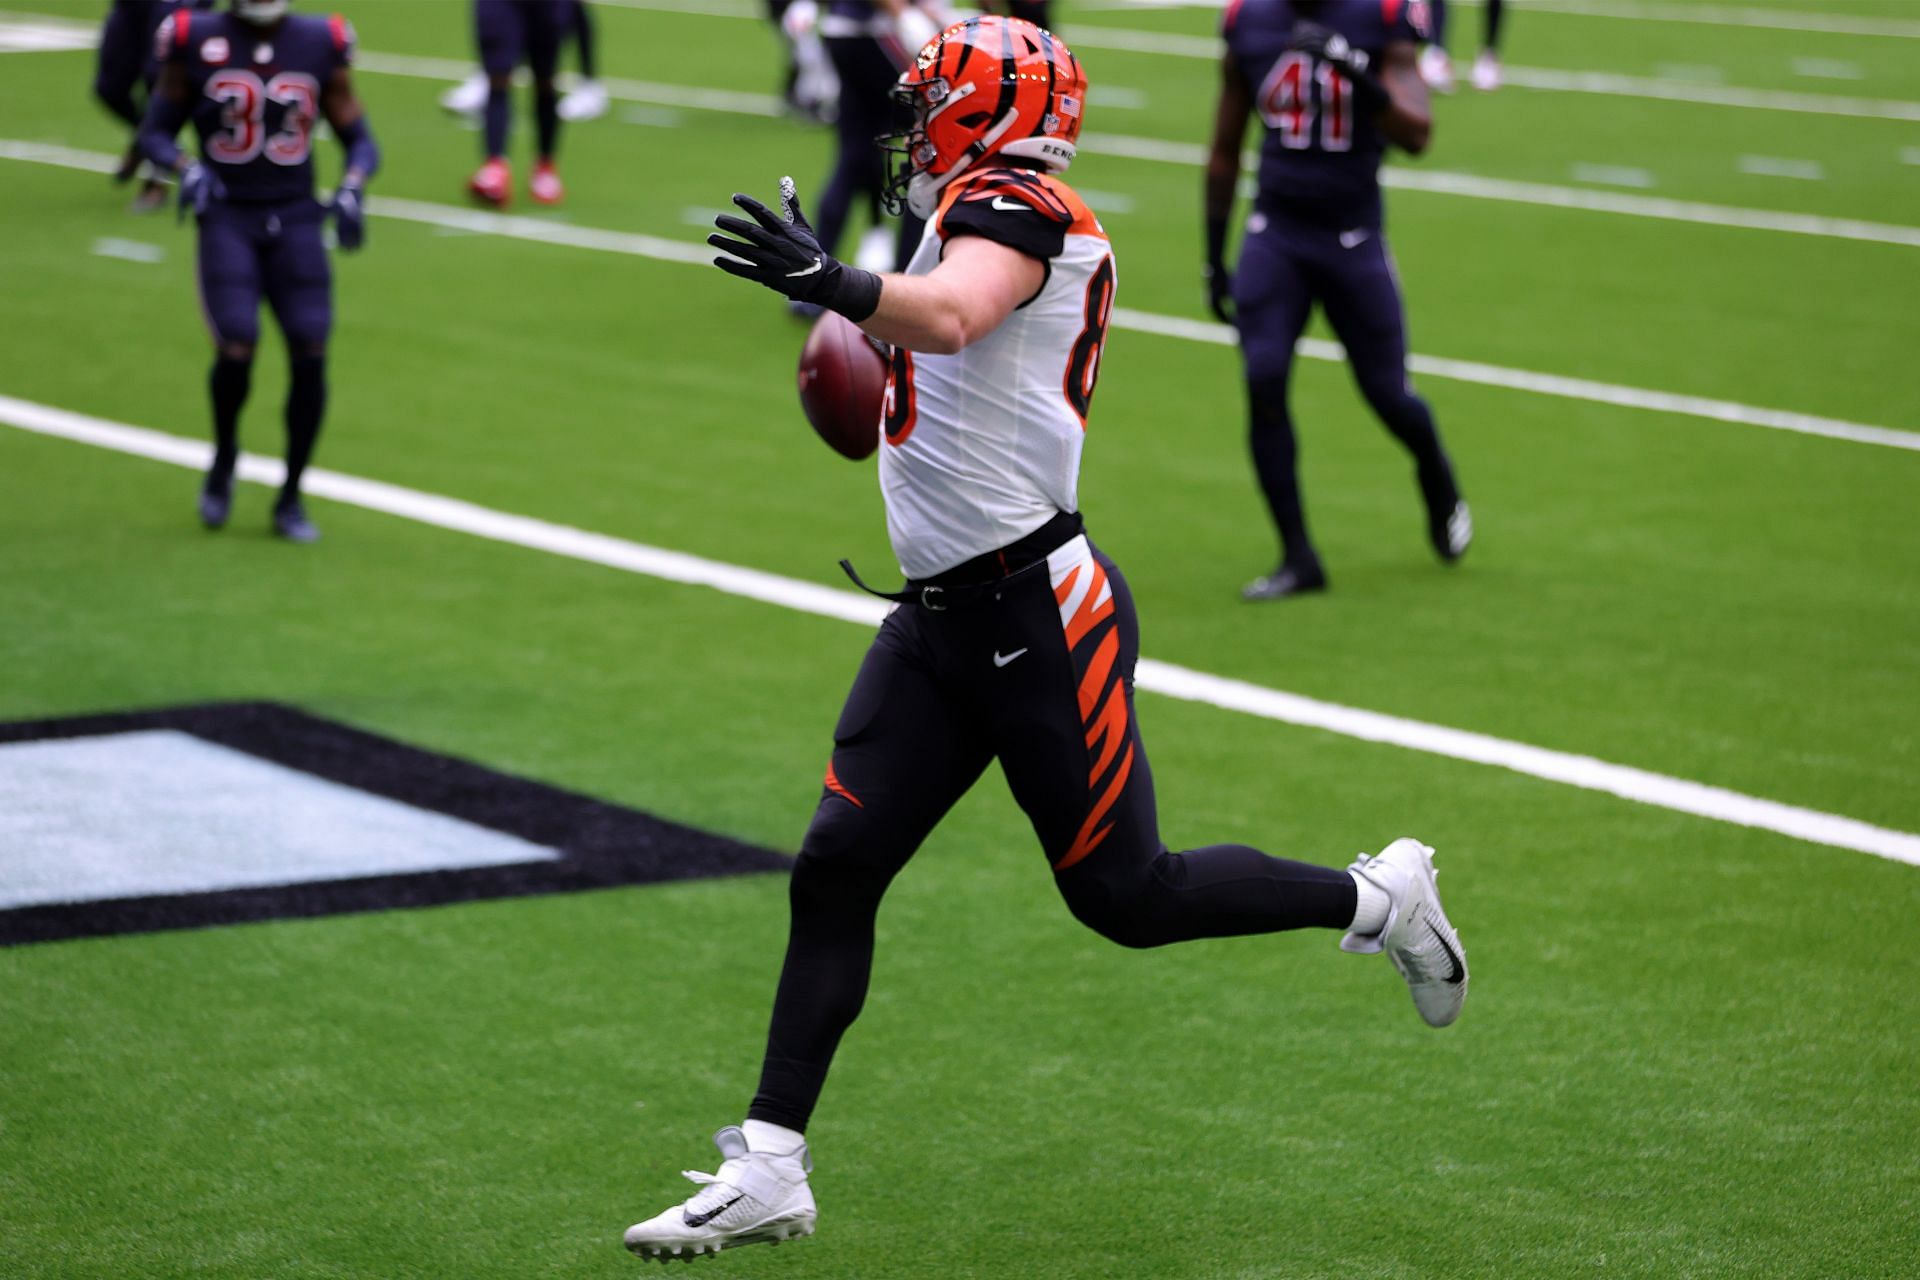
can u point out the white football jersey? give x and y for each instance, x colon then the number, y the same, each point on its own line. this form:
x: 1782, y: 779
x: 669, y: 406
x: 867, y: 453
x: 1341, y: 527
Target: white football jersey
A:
x: 982, y: 447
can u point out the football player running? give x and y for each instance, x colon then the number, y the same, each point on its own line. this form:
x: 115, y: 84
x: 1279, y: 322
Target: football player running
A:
x: 253, y: 80
x: 1014, y: 637
x: 1333, y: 81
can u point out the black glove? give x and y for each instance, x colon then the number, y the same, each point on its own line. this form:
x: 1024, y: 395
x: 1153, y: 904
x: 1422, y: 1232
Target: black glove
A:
x: 349, y: 211
x: 783, y: 254
x: 1219, y: 290
x: 1332, y: 48
x: 1219, y: 279
x: 199, y: 188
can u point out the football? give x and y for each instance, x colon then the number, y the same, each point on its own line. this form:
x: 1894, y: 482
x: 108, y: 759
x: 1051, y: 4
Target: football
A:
x: 843, y: 378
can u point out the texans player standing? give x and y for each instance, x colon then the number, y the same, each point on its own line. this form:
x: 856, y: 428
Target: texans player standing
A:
x: 1333, y: 81
x: 509, y: 32
x: 253, y: 81
x: 1015, y: 637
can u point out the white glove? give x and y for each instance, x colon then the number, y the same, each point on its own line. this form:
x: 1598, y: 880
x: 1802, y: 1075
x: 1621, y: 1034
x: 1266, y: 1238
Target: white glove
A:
x: 799, y: 19
x: 917, y: 28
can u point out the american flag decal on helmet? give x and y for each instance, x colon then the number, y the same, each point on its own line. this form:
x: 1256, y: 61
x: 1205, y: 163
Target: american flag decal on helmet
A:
x: 1069, y: 105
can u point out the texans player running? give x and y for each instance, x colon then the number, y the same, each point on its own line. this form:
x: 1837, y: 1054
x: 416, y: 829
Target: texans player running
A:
x: 253, y: 81
x: 1015, y: 637
x: 1333, y: 81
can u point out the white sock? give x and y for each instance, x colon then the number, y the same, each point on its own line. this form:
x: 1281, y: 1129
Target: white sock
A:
x: 1370, y: 906
x: 774, y: 1140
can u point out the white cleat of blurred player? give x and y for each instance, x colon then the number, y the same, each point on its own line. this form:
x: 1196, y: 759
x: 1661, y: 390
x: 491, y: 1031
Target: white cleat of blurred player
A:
x: 587, y: 100
x: 756, y: 1197
x: 1486, y: 71
x: 1436, y: 68
x: 468, y: 97
x: 1417, y: 937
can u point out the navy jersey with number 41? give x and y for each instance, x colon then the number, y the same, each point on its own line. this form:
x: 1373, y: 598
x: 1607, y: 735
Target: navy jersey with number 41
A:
x: 256, y: 95
x: 1320, y: 158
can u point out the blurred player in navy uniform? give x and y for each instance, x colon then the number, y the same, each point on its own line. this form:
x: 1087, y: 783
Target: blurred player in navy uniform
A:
x: 1436, y: 68
x: 253, y: 81
x: 870, y: 43
x: 510, y: 32
x: 124, y: 63
x: 1333, y: 81
x: 586, y: 100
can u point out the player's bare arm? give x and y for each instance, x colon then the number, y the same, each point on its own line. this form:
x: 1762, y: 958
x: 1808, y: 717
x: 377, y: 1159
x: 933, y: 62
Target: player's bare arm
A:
x: 1222, y: 177
x: 341, y: 106
x: 171, y: 104
x: 977, y: 285
x: 1407, y: 118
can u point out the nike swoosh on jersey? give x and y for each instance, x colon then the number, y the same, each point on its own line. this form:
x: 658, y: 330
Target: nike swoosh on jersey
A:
x: 1010, y: 206
x: 818, y: 262
x: 1353, y: 239
x: 1000, y: 661
x: 702, y: 1219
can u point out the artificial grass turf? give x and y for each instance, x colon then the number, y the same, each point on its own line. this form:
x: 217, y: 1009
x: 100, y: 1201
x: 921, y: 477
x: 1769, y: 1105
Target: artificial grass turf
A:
x: 1684, y: 1053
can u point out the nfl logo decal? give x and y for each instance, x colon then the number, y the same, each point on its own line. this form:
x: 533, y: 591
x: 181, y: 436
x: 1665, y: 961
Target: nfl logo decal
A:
x: 263, y: 54
x: 214, y: 51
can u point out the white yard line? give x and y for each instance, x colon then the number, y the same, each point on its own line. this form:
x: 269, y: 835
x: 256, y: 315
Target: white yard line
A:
x: 1782, y: 167
x: 1613, y: 175
x: 634, y: 244
x: 1718, y: 95
x: 1711, y: 15
x: 128, y: 250
x: 1166, y: 679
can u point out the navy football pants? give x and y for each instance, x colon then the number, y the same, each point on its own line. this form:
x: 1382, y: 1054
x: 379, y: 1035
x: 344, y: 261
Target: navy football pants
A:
x: 248, y: 252
x: 1040, y: 679
x: 1285, y: 267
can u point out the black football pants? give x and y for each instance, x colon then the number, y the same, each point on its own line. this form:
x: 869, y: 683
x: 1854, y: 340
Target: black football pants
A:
x: 1040, y: 678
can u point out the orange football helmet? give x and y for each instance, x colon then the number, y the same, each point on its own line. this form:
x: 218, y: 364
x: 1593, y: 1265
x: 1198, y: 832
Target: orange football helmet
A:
x: 986, y: 86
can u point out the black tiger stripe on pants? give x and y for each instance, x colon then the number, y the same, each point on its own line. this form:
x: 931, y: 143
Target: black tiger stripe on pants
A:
x: 1041, y: 678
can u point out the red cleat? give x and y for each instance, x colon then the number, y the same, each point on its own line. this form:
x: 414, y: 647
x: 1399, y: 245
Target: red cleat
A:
x: 493, y: 184
x: 545, y: 185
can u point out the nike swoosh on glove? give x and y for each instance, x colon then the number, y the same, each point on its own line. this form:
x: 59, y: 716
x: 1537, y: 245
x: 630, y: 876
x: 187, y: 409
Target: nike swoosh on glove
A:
x: 782, y: 252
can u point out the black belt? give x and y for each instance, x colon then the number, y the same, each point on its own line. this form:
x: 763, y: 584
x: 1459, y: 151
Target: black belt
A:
x: 983, y: 577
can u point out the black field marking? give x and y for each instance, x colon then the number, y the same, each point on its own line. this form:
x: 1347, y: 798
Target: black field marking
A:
x: 602, y: 845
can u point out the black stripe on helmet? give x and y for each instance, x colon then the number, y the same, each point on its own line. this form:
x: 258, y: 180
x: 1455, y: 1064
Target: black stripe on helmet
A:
x: 1046, y: 49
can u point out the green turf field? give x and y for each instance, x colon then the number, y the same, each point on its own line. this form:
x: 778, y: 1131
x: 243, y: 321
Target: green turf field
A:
x: 1691, y: 1048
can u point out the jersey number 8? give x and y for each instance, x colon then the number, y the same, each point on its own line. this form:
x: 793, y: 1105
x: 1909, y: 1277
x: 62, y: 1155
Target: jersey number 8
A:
x: 1288, y: 104
x: 243, y: 117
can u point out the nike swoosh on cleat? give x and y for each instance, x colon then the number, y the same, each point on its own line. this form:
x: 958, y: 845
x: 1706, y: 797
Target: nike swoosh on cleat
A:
x: 999, y: 661
x: 702, y: 1219
x: 1010, y: 206
x: 1459, y: 971
x: 818, y: 262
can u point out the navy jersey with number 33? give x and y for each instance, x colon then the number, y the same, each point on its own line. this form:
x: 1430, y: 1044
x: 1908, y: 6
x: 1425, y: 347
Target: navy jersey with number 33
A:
x: 256, y: 95
x: 1320, y: 158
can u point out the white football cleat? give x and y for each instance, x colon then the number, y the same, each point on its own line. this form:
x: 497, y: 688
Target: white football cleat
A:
x: 468, y: 97
x: 587, y: 100
x: 1436, y: 68
x: 1486, y: 71
x: 755, y: 1197
x: 1417, y: 937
